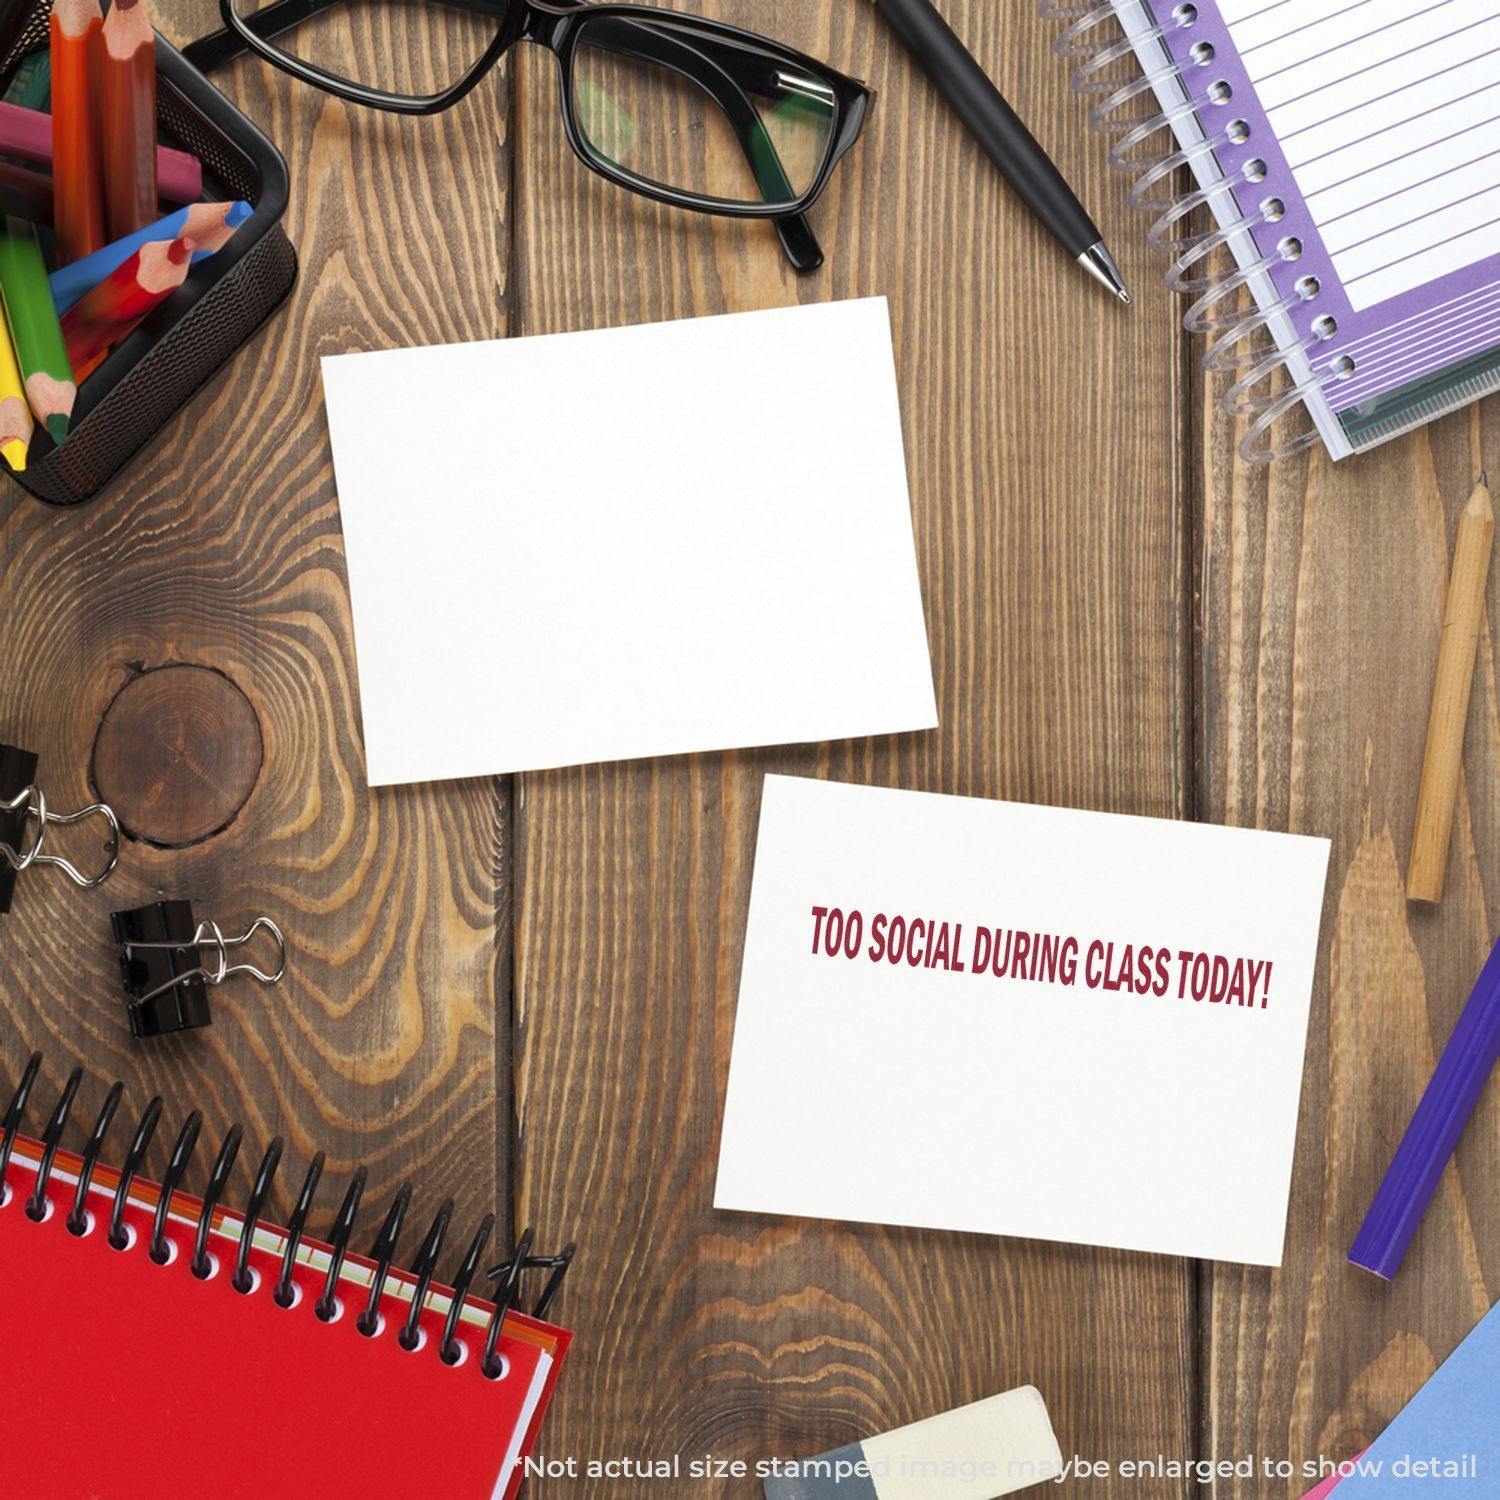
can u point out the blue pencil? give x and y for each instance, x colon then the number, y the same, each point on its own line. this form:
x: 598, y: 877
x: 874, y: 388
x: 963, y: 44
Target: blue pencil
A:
x: 209, y: 224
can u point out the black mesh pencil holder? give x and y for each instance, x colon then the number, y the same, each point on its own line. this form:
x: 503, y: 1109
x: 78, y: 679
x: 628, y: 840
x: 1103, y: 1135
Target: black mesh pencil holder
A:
x: 165, y: 362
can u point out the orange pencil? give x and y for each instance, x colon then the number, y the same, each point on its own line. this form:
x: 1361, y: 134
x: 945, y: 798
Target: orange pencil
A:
x: 129, y: 90
x: 78, y: 179
x: 98, y: 321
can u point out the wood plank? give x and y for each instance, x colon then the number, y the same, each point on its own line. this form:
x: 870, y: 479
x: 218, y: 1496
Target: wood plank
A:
x: 222, y: 551
x: 1323, y: 592
x: 1049, y: 497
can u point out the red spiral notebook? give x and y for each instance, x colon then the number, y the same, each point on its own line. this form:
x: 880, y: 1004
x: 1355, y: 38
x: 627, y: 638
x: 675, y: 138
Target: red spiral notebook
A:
x: 131, y: 1379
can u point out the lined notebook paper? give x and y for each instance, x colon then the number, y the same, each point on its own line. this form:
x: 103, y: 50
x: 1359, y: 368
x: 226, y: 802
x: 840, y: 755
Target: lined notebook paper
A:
x: 1389, y: 113
x: 1355, y: 148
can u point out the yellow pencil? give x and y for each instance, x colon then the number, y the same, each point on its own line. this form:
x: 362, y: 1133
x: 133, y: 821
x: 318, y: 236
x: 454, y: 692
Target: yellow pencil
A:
x: 15, y: 414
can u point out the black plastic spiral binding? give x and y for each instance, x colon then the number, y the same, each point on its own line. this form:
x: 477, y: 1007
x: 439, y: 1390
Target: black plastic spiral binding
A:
x: 504, y: 1297
x: 286, y: 1293
x: 242, y: 1281
x: 410, y: 1337
x: 327, y: 1308
x: 384, y: 1248
x: 450, y: 1351
x: 118, y: 1239
x: 78, y: 1217
x: 12, y: 1122
x: 36, y: 1208
x: 202, y: 1262
x: 177, y: 1164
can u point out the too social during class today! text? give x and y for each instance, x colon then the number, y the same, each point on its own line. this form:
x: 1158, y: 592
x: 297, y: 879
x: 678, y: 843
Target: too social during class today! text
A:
x: 1159, y: 968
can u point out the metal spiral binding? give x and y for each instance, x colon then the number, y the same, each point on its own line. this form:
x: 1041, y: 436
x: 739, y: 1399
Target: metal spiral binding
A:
x: 161, y: 1249
x: 1215, y: 310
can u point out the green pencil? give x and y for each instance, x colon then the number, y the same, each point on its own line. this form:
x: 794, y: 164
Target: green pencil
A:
x: 34, y: 328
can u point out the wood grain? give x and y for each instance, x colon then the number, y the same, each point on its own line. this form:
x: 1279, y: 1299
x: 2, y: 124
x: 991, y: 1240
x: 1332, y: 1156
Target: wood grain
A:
x: 177, y: 755
x: 523, y: 993
x: 1323, y: 593
x: 222, y: 551
x: 1049, y: 501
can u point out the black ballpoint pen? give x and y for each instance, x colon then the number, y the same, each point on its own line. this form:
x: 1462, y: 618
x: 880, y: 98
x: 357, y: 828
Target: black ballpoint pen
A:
x: 1005, y: 140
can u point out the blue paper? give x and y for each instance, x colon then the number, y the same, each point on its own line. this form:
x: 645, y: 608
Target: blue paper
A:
x: 1450, y: 1421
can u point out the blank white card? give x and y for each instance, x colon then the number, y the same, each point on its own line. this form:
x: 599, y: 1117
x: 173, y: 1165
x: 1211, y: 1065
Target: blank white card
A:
x: 639, y: 541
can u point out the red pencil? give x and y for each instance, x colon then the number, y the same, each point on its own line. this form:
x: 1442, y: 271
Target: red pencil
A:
x: 79, y: 182
x: 98, y: 321
x: 129, y: 118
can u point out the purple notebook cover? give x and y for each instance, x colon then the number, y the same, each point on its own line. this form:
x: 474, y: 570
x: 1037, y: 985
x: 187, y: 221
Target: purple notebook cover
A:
x: 1406, y: 337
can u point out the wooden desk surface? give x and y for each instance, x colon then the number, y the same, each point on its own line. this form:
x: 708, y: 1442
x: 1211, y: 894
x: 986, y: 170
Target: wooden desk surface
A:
x: 521, y: 991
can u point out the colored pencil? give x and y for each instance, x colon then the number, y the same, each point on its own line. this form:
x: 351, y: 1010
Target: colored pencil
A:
x: 26, y: 134
x: 129, y: 118
x: 1435, y: 1129
x: 97, y: 322
x: 16, y: 425
x: 1463, y: 619
x: 34, y: 329
x: 208, y: 224
x: 76, y: 168
x: 25, y: 193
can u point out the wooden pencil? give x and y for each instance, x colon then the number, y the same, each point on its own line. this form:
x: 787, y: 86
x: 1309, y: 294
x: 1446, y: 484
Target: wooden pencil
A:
x: 1463, y: 619
x: 28, y: 194
x: 98, y: 321
x: 16, y: 425
x: 210, y: 226
x: 35, y: 331
x: 129, y: 118
x: 78, y: 179
x: 25, y: 193
x: 26, y: 134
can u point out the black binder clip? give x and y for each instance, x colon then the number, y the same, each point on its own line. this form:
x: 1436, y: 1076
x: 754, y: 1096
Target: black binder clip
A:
x: 162, y: 961
x: 25, y: 820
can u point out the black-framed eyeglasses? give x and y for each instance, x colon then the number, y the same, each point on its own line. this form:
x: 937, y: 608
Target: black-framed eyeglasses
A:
x: 679, y: 109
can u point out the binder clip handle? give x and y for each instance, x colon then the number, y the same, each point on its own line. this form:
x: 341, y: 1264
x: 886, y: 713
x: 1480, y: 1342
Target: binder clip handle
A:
x: 169, y: 961
x: 226, y: 970
x: 31, y: 805
x: 208, y: 934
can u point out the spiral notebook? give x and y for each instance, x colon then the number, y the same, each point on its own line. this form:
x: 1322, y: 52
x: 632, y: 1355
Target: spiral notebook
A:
x: 1349, y: 152
x: 133, y: 1378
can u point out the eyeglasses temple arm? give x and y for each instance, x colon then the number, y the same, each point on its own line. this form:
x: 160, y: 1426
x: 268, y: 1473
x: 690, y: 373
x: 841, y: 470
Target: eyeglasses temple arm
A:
x: 798, y: 241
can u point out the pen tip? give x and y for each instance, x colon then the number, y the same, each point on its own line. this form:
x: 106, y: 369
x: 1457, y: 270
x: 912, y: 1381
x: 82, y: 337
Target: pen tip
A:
x: 1098, y: 262
x: 1484, y: 478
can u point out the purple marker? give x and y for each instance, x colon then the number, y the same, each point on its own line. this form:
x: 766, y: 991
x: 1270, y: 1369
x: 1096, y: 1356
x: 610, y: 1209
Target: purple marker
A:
x: 1432, y: 1136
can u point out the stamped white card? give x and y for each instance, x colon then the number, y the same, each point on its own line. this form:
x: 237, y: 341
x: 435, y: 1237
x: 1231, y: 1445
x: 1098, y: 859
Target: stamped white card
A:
x: 984, y: 1016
